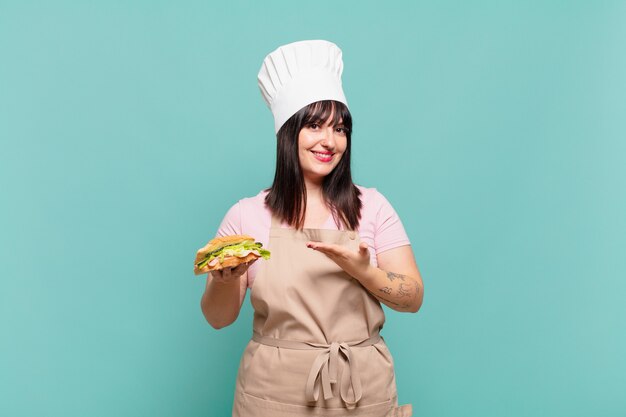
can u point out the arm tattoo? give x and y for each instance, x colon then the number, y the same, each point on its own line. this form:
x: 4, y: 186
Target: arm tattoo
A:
x: 393, y: 275
x: 402, y: 291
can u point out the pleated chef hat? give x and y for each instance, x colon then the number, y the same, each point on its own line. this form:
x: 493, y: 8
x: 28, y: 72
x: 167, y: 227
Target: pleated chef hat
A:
x: 298, y: 74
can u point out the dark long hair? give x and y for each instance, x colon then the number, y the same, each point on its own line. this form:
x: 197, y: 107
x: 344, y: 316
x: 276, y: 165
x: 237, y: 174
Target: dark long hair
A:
x: 287, y: 195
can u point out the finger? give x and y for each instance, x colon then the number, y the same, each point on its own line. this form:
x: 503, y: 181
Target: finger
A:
x: 326, y: 247
x: 217, y: 275
x: 363, y: 249
x: 226, y: 274
x: 249, y: 263
x: 239, y: 269
x: 330, y: 254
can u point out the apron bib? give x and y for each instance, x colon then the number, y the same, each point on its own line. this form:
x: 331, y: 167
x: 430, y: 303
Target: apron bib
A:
x: 316, y: 350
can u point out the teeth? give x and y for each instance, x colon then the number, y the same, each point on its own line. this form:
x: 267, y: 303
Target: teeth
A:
x: 322, y: 155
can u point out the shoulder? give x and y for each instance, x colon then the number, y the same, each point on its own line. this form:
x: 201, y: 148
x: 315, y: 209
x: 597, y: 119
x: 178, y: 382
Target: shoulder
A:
x: 380, y: 225
x: 376, y: 206
x: 254, y: 213
x: 247, y: 206
x: 372, y: 198
x: 246, y: 214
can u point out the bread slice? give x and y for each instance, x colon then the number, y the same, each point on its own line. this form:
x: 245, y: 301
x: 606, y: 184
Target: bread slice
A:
x: 221, y: 241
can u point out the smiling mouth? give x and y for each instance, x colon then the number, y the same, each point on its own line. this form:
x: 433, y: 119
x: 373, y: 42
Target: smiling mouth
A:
x: 323, y: 157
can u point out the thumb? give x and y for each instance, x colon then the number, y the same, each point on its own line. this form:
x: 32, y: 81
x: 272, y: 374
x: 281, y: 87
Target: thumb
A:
x: 363, y: 249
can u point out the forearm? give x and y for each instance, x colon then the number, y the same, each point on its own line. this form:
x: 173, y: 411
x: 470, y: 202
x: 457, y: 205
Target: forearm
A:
x: 397, y: 291
x: 221, y: 302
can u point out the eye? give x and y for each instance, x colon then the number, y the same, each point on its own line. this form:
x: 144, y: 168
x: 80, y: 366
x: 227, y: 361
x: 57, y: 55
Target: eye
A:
x: 342, y: 130
x: 313, y: 125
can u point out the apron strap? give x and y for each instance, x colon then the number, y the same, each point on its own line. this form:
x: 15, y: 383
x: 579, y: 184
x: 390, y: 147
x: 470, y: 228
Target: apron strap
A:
x: 327, y: 368
x: 275, y: 222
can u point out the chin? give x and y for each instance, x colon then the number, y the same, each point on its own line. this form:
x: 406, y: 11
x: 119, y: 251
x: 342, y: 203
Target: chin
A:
x: 326, y: 172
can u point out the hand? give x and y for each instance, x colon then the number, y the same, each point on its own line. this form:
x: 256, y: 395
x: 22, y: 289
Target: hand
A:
x: 229, y: 275
x: 356, y: 264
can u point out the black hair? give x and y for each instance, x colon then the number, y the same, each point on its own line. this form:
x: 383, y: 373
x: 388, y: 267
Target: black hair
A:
x: 287, y: 195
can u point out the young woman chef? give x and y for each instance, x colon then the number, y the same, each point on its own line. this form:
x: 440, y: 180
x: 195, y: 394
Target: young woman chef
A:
x: 338, y: 250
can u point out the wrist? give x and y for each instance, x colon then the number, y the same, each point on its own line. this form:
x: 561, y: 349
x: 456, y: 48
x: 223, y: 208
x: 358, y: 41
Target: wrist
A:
x: 369, y: 275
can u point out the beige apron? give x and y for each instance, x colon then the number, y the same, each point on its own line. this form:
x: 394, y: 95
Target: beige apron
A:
x: 315, y: 349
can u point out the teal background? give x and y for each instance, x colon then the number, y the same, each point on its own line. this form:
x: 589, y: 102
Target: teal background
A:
x: 496, y: 129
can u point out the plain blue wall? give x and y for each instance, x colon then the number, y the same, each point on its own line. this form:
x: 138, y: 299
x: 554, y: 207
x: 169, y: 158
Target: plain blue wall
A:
x: 496, y: 129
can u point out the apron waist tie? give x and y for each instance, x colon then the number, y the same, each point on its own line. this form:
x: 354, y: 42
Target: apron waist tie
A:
x: 327, y: 368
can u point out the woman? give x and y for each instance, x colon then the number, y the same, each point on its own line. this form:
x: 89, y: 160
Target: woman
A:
x: 337, y: 251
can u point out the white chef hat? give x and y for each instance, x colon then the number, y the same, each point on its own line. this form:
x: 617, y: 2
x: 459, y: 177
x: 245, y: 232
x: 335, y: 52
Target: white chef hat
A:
x: 298, y: 74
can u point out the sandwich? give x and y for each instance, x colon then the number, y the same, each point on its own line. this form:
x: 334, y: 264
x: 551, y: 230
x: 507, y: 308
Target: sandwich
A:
x: 228, y: 252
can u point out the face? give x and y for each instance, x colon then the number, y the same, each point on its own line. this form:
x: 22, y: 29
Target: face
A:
x: 320, y: 148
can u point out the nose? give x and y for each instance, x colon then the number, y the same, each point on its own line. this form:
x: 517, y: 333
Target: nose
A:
x: 328, y: 139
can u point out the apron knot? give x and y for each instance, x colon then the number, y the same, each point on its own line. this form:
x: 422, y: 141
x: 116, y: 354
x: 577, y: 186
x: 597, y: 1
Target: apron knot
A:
x: 334, y: 364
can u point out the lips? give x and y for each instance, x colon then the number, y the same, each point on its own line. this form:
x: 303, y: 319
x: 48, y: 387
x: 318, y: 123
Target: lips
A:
x: 323, y: 156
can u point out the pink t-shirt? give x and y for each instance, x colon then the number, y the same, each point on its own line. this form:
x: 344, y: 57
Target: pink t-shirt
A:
x: 380, y: 227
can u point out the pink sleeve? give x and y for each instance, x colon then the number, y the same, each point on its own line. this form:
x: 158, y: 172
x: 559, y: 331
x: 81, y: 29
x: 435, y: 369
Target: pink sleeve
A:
x: 390, y: 232
x: 231, y: 223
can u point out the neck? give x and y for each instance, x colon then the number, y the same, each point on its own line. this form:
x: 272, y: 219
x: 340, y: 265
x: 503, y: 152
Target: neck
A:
x: 313, y: 190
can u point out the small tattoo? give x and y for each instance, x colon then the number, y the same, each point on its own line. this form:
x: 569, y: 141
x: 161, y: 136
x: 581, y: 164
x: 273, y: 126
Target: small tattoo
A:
x: 402, y: 292
x: 406, y: 292
x: 393, y: 275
